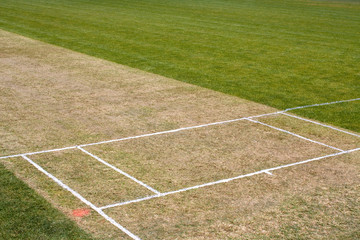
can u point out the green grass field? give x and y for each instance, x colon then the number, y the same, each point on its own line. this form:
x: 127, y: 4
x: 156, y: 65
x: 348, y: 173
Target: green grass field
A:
x: 279, y: 53
x: 26, y: 215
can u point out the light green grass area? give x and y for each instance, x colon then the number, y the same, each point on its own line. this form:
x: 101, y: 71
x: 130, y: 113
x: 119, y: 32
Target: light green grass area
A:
x: 280, y: 53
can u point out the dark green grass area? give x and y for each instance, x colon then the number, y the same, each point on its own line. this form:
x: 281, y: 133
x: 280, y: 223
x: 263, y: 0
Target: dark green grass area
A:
x: 283, y: 53
x: 26, y: 215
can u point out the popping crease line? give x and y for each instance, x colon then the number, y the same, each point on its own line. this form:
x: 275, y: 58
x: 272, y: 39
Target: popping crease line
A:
x: 177, y: 130
x: 81, y: 198
x: 269, y: 173
x: 158, y: 194
x: 266, y: 171
x: 321, y: 124
x: 295, y: 135
x: 321, y: 104
x: 119, y: 171
x: 141, y: 136
x: 38, y: 152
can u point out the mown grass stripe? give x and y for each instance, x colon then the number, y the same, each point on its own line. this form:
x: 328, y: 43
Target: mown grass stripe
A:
x: 278, y: 53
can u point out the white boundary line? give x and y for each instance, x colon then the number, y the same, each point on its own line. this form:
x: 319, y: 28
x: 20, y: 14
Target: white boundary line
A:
x: 266, y: 171
x: 296, y: 135
x: 179, y: 129
x: 321, y: 124
x: 98, y: 210
x: 119, y: 171
x: 322, y: 104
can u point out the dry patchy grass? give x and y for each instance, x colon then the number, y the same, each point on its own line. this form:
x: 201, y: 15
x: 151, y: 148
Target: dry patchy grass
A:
x: 319, y: 133
x: 95, y: 181
x: 183, y: 159
x: 52, y: 97
x: 318, y: 201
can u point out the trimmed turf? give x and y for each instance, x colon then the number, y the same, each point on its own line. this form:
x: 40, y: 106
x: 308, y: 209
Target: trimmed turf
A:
x: 280, y: 53
x: 26, y: 215
x: 346, y: 115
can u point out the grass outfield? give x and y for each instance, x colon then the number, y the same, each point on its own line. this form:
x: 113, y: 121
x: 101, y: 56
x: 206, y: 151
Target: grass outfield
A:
x: 279, y: 53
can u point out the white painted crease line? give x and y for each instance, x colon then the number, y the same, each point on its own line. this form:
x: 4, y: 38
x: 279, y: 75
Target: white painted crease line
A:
x: 313, y: 159
x: 99, y: 210
x: 296, y: 135
x: 44, y: 151
x: 268, y: 172
x: 119, y: 171
x: 322, y: 104
x: 321, y: 124
x: 263, y: 115
x: 181, y: 190
x: 141, y: 136
x: 228, y: 179
x: 76, y: 194
x: 131, y: 201
x: 179, y: 129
